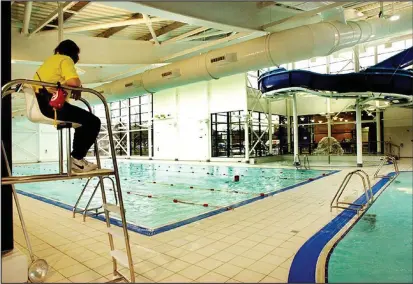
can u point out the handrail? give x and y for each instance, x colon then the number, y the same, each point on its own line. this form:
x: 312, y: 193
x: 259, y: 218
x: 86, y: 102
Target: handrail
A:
x: 383, y: 160
x: 306, y: 162
x: 353, y: 206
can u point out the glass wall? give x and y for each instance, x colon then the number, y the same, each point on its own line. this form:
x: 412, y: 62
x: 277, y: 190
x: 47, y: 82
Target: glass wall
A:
x: 130, y: 120
x: 227, y: 134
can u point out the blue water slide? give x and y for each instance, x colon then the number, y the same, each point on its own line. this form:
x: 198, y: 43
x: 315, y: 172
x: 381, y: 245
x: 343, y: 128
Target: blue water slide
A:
x: 385, y: 77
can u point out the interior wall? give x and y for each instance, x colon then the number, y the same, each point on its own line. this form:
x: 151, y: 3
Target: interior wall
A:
x: 398, y: 128
x: 185, y: 133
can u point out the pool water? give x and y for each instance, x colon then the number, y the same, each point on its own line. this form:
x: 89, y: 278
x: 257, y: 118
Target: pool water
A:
x: 172, y: 181
x: 378, y: 249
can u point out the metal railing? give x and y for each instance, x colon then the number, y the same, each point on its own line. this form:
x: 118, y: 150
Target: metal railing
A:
x: 336, y: 203
x: 305, y: 164
x: 118, y: 256
x: 383, y: 161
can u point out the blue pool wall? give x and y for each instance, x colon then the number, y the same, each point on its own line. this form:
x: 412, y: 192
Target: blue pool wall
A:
x: 155, y: 231
x: 304, y: 265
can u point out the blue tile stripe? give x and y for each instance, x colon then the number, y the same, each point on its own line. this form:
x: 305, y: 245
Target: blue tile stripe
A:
x: 303, y: 267
x: 151, y: 231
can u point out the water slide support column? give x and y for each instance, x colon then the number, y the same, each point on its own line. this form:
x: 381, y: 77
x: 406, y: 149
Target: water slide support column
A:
x: 359, y: 135
x: 295, y: 125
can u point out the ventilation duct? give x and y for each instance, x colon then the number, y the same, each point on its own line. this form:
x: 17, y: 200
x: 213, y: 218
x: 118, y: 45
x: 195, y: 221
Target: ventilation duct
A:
x: 277, y: 48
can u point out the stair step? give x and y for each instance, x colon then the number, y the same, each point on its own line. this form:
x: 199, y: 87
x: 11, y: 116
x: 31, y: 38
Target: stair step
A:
x: 112, y: 208
x: 116, y: 231
x: 120, y: 257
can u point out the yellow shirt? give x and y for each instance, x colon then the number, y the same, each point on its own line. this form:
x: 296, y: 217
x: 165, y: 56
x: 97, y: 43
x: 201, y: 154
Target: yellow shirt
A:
x: 57, y: 68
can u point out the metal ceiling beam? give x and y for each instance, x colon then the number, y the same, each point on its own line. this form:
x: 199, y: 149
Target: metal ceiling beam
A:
x: 149, y: 25
x: 27, y: 15
x: 51, y: 17
x: 69, y: 13
x: 306, y: 14
x: 109, y: 25
x: 185, y: 35
x: 111, y: 31
x: 205, y: 35
x: 162, y: 31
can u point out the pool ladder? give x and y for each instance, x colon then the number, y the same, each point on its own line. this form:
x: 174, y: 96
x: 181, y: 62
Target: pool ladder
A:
x: 305, y: 165
x: 119, y: 257
x: 336, y: 203
x: 384, y: 160
x: 87, y: 211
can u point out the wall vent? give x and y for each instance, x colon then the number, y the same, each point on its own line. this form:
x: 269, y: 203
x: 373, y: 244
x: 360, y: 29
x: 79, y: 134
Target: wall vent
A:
x: 171, y: 74
x: 136, y: 84
x: 223, y: 59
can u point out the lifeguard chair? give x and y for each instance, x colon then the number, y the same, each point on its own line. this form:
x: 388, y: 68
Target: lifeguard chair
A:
x: 34, y: 114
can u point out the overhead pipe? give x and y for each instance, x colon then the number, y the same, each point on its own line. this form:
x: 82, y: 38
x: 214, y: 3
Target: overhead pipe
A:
x: 291, y: 45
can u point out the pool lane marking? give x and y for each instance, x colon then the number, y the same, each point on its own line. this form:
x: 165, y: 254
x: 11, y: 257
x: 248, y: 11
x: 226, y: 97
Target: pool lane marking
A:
x: 174, y: 224
x: 177, y: 200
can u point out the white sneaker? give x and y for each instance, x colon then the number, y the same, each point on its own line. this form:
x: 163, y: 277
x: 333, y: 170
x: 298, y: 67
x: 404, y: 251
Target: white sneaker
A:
x: 82, y: 166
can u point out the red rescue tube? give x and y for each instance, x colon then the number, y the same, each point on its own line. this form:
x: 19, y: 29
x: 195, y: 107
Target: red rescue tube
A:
x: 205, y: 205
x: 175, y: 200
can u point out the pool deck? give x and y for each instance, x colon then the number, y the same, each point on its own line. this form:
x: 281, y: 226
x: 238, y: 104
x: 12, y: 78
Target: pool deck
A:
x: 253, y: 243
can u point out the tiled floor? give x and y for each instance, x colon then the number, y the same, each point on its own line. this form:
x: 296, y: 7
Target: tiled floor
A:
x: 253, y: 243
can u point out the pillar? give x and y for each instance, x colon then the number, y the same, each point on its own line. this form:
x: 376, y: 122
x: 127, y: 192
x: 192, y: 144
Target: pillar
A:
x: 60, y: 21
x: 288, y: 112
x: 295, y: 125
x: 7, y: 243
x: 269, y: 126
x: 246, y: 122
x: 359, y: 135
x: 378, y: 131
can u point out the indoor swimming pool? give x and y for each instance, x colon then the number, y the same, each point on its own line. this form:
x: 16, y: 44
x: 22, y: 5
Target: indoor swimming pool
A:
x: 161, y: 196
x: 379, y: 246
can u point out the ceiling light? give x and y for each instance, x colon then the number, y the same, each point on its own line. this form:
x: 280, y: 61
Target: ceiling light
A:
x: 335, y: 118
x: 320, y: 121
x: 346, y: 120
x: 341, y: 119
x: 360, y: 14
x: 394, y: 18
x: 312, y: 120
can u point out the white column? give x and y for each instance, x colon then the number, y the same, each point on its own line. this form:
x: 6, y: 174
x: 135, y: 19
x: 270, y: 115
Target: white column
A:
x: 295, y: 125
x: 208, y: 124
x: 378, y: 130
x: 246, y: 120
x: 288, y: 112
x: 328, y: 117
x: 177, y: 146
x: 359, y: 135
x: 150, y: 143
x: 60, y: 21
x: 269, y: 126
x: 128, y: 130
x: 356, y: 59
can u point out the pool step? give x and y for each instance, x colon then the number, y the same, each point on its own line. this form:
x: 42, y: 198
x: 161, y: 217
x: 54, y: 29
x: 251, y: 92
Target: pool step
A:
x: 112, y: 208
x: 120, y: 257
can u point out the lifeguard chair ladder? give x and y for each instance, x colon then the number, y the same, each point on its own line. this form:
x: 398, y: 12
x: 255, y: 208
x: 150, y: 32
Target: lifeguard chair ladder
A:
x: 34, y: 114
